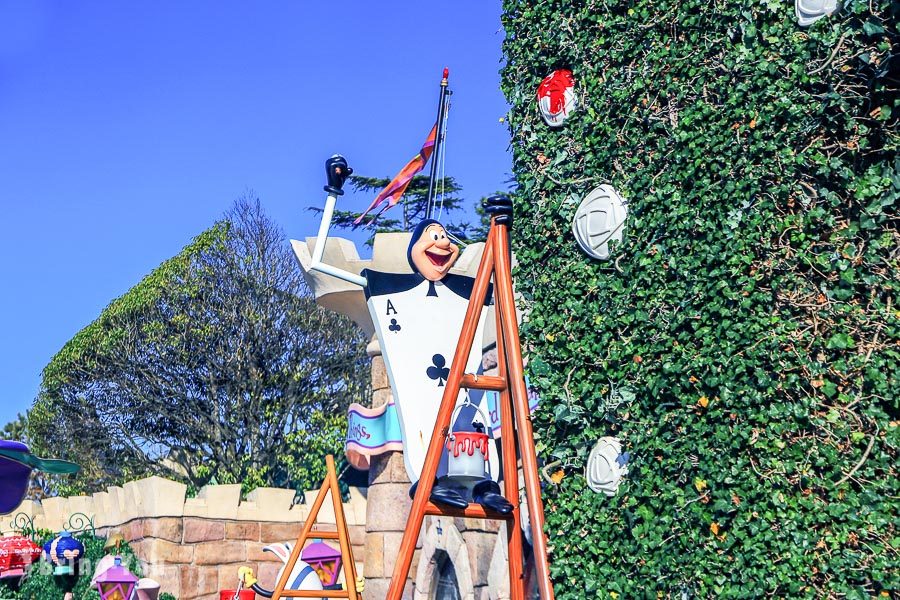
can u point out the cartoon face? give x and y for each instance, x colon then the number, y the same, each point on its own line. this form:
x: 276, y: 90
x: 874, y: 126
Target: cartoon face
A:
x: 433, y: 253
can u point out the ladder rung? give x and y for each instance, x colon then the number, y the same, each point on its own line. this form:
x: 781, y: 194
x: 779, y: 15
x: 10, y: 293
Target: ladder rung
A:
x: 324, y: 535
x: 315, y: 594
x: 483, y: 382
x: 474, y: 511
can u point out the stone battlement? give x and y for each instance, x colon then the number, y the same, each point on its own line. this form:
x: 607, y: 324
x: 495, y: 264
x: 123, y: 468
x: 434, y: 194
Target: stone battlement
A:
x: 154, y: 497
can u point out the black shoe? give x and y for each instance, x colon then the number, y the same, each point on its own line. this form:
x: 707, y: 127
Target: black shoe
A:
x: 441, y: 494
x: 487, y: 494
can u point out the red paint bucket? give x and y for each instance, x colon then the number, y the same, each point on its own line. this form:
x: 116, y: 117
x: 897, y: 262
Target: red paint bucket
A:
x: 235, y: 595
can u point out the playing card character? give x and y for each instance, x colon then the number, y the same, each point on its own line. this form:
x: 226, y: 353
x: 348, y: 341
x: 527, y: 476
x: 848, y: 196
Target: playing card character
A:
x: 418, y: 317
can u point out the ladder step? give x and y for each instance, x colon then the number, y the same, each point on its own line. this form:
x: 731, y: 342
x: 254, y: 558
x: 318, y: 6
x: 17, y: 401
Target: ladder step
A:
x: 483, y: 382
x: 324, y: 535
x: 315, y: 594
x: 473, y: 511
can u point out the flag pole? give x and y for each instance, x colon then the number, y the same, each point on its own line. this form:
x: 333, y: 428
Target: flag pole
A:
x: 438, y: 141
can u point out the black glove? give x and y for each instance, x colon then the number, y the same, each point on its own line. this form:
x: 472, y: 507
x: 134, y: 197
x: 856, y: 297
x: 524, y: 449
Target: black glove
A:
x: 501, y: 207
x: 337, y: 171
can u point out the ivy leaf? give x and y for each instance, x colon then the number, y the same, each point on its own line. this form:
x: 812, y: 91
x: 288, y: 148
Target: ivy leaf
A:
x: 840, y: 341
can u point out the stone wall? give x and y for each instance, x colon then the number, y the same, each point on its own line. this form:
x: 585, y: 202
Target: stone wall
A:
x: 477, y: 550
x: 389, y: 503
x: 194, y: 546
x: 195, y: 558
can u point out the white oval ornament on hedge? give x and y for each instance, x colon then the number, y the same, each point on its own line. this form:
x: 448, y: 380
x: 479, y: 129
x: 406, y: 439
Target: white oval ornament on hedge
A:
x: 810, y: 11
x: 556, y: 97
x: 599, y: 219
x: 606, y: 466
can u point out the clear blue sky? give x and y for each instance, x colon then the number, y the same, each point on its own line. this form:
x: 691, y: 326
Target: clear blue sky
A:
x: 127, y: 128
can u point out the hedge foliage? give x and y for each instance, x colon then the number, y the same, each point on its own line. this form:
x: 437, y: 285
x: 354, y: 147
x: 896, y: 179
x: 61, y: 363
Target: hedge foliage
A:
x: 752, y: 307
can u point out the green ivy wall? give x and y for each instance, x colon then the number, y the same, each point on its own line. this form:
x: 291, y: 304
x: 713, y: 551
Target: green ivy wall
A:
x: 752, y: 308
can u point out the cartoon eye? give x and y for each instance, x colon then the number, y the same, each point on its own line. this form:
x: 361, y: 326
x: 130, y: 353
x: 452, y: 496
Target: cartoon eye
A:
x: 443, y: 236
x: 435, y: 236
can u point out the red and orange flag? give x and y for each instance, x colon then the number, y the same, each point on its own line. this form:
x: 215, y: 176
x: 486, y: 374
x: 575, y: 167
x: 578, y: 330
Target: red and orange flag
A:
x: 395, y: 189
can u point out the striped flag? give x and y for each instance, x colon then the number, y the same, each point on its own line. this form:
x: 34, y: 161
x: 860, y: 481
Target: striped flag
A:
x: 394, y: 190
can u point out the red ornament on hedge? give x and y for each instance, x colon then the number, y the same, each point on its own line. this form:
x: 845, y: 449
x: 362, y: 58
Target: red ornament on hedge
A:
x: 556, y: 97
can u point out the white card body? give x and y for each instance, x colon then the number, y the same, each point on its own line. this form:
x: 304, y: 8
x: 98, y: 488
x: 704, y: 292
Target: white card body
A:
x: 414, y: 329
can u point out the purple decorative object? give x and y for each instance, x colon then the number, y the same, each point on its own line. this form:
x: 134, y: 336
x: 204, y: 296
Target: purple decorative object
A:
x: 13, y: 477
x: 16, y: 464
x: 324, y: 559
x: 116, y: 583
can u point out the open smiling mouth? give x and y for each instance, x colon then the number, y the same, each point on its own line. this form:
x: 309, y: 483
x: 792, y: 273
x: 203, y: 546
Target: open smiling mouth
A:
x: 438, y: 260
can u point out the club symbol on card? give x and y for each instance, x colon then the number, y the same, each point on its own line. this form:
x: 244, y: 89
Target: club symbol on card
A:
x: 394, y: 326
x: 439, y: 370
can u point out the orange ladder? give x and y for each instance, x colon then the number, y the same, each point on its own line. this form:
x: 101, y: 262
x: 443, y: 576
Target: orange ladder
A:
x: 510, y: 383
x: 342, y: 535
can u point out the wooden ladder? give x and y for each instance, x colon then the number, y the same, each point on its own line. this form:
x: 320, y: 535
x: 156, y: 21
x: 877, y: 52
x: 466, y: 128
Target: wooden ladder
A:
x: 513, y: 405
x: 342, y: 535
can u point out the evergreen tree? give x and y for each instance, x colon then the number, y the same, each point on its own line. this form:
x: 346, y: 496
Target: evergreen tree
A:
x: 411, y: 209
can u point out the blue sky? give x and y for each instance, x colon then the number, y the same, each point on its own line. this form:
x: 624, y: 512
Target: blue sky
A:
x: 128, y: 128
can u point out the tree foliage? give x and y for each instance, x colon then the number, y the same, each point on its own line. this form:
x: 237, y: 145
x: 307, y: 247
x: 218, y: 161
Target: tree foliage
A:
x: 412, y: 208
x: 207, y: 370
x: 16, y: 430
x: 752, y: 305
